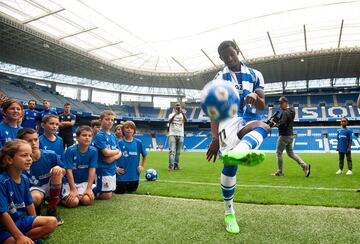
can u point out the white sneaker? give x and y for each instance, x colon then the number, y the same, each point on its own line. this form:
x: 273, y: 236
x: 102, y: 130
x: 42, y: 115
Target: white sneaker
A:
x: 339, y: 172
x: 349, y: 172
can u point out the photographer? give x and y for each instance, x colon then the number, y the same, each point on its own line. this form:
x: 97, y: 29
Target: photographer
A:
x: 176, y: 136
x: 285, y: 123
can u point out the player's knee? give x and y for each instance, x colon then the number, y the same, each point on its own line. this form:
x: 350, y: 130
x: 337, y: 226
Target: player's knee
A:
x: 85, y: 200
x: 72, y: 204
x: 51, y: 224
x: 105, y: 196
x: 37, y: 198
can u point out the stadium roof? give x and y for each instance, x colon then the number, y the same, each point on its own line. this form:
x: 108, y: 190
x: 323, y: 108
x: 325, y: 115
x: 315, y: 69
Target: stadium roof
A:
x: 174, y: 44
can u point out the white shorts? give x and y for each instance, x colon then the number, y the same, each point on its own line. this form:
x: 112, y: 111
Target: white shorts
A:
x: 80, y: 189
x: 44, y: 189
x: 105, y: 183
x: 228, y: 130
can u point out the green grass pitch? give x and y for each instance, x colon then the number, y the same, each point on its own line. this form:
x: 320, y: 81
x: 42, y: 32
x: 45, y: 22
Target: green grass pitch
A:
x: 186, y: 206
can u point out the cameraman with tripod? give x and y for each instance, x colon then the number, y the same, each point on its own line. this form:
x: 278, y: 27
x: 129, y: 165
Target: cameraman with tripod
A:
x: 285, y: 123
x: 176, y: 136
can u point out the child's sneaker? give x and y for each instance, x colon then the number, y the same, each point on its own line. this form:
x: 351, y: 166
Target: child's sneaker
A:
x: 339, y: 172
x: 231, y: 224
x: 246, y: 158
x: 53, y: 212
x: 349, y: 172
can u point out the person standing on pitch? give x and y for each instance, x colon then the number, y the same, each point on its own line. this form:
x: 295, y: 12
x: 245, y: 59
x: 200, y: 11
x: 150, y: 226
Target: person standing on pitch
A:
x: 238, y: 138
x: 30, y: 115
x: 176, y: 136
x: 286, y: 138
x: 67, y: 122
x: 344, y: 138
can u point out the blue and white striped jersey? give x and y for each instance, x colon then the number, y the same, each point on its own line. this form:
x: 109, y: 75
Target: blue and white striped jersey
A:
x: 246, y: 81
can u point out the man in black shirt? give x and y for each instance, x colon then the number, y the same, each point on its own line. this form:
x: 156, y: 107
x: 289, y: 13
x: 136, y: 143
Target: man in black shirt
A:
x: 286, y: 137
x: 67, y: 121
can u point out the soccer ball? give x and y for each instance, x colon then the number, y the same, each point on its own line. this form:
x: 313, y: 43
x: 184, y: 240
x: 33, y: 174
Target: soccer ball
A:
x: 220, y: 100
x: 151, y: 175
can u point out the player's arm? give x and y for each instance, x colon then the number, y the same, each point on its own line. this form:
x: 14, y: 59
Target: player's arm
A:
x: 107, y: 152
x: 142, y: 165
x: 173, y: 117
x: 214, y: 145
x: 30, y: 209
x: 358, y: 101
x: 111, y: 159
x: 73, y: 193
x: 91, y: 179
x: 350, y: 142
x: 7, y: 222
x: 184, y: 116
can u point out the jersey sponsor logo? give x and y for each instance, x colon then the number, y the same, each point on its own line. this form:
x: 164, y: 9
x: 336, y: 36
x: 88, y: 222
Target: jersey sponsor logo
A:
x: 133, y: 153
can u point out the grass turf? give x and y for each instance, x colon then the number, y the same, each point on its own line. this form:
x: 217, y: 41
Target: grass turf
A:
x: 142, y: 218
x: 152, y: 219
x: 201, y: 180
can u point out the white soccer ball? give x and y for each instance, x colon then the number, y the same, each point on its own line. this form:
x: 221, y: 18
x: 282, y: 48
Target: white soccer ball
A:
x: 151, y: 175
x: 220, y: 100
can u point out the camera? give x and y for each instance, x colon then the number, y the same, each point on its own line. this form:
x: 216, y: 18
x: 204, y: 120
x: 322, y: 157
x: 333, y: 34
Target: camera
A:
x: 275, y: 118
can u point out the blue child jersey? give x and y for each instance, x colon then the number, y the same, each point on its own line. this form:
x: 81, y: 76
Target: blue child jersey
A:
x: 344, y: 137
x: 101, y: 141
x: 130, y: 159
x: 39, y: 172
x: 57, y: 146
x: 80, y: 162
x: 31, y: 117
x: 246, y: 81
x: 7, y: 133
x: 14, y: 197
x: 42, y: 115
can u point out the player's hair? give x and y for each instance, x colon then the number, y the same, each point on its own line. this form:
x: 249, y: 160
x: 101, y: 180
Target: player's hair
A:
x: 67, y: 104
x: 130, y: 124
x: 119, y: 126
x: 226, y: 44
x: 48, y: 117
x: 25, y: 131
x: 8, y: 103
x: 95, y: 122
x: 106, y: 112
x: 32, y: 100
x: 9, y: 150
x: 82, y: 128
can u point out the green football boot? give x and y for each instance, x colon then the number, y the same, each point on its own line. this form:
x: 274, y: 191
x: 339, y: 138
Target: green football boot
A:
x: 231, y: 224
x: 245, y: 158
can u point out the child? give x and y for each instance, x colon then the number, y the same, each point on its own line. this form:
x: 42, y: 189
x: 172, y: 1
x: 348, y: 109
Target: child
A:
x: 18, y: 223
x: 13, y: 111
x: 344, y: 138
x: 49, y: 140
x: 45, y: 174
x: 95, y: 126
x: 107, y: 145
x: 118, y: 132
x: 80, y: 163
x: 128, y: 170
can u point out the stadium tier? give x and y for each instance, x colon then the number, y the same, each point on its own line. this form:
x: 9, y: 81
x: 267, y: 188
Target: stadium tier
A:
x: 325, y: 107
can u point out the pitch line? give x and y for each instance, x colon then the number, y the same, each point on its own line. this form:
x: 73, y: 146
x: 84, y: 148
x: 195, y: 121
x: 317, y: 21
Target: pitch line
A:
x: 261, y: 186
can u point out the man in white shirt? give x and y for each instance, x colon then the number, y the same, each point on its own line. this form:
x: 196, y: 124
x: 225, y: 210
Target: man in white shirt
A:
x: 176, y: 136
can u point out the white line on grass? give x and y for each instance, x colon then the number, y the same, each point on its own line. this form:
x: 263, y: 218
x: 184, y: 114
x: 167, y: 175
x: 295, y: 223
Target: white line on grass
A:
x: 260, y: 186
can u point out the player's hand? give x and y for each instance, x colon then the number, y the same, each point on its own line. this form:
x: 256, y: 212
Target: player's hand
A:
x: 213, y: 150
x: 251, y: 98
x: 140, y: 168
x: 90, y: 194
x: 57, y: 170
x: 119, y: 171
x: 337, y: 149
x: 71, y: 197
x: 118, y: 155
x: 24, y: 240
